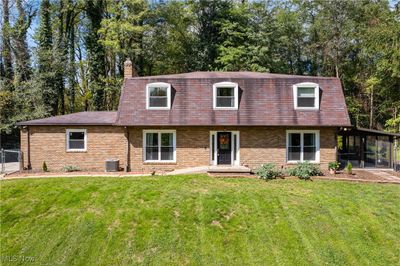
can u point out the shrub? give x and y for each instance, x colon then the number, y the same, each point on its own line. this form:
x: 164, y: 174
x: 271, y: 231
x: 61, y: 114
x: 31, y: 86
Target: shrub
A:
x: 304, y: 170
x: 268, y: 171
x: 349, y: 168
x: 333, y: 165
x: 44, y: 167
x: 71, y: 168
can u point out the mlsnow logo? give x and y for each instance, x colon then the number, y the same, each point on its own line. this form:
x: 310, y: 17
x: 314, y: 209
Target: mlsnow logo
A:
x: 17, y: 258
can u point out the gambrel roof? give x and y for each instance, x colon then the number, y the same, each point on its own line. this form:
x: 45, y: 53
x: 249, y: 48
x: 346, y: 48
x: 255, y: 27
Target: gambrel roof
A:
x: 264, y: 100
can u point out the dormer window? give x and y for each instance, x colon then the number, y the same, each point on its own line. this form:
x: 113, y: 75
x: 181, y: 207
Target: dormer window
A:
x: 306, y: 96
x: 226, y: 95
x: 158, y: 96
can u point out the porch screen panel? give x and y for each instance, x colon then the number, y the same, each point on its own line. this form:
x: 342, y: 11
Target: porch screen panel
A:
x: 167, y: 147
x: 383, y: 152
x: 151, y: 146
x: 370, y: 151
x: 294, y: 148
x: 310, y: 147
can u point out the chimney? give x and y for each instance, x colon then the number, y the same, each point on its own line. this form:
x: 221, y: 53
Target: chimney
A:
x: 129, y: 69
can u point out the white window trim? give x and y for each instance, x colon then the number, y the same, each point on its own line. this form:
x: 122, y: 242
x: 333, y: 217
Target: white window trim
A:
x: 302, y: 132
x: 307, y: 85
x: 213, y: 135
x: 70, y: 130
x: 222, y: 85
x: 158, y: 84
x: 159, y: 146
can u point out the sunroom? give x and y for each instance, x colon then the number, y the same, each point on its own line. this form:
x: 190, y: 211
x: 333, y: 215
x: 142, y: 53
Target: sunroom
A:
x: 367, y: 148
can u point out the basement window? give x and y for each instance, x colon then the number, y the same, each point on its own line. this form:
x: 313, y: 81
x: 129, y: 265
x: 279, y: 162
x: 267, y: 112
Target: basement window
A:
x: 159, y: 145
x: 226, y: 96
x: 306, y: 96
x: 76, y: 139
x: 158, y: 96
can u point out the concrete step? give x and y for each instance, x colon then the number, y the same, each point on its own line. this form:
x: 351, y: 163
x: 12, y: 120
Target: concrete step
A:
x: 229, y: 171
x: 232, y: 175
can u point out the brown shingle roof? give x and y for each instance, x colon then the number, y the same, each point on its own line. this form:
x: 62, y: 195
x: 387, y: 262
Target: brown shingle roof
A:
x: 82, y: 118
x: 265, y: 99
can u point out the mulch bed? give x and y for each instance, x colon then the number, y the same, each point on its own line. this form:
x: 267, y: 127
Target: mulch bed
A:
x: 359, y: 175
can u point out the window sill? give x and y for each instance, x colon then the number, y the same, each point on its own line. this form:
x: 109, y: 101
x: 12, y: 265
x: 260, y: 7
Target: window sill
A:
x: 158, y: 108
x: 226, y: 108
x: 76, y: 151
x: 159, y: 162
x: 306, y: 109
x: 297, y: 162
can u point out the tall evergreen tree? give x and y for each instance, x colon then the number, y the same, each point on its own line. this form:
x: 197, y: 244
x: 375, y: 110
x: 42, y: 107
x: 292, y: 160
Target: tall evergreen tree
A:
x: 46, y: 72
x: 23, y: 70
x: 95, y: 52
x: 8, y: 72
x: 209, y: 15
x: 70, y: 25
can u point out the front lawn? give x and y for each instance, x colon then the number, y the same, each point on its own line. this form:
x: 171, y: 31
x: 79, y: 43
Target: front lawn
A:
x: 198, y: 220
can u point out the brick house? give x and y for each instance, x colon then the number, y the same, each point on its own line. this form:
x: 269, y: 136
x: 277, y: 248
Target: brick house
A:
x: 195, y: 119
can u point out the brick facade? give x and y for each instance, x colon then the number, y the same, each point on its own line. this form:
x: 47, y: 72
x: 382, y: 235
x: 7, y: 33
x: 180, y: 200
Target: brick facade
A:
x: 258, y: 145
x: 48, y: 143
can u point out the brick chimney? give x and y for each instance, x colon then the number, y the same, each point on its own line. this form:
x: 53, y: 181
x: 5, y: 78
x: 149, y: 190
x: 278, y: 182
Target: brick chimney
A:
x: 129, y: 69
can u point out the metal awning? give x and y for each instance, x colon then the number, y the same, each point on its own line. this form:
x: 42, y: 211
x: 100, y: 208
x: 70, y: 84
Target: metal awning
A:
x: 371, y: 131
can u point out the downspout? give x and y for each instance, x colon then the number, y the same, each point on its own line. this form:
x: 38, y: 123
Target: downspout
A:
x: 127, y: 150
x: 29, y: 166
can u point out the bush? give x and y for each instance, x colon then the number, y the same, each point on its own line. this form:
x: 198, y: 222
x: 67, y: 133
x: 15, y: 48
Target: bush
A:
x: 44, y: 167
x: 333, y: 165
x: 349, y: 168
x: 70, y: 168
x: 268, y: 171
x: 304, y: 170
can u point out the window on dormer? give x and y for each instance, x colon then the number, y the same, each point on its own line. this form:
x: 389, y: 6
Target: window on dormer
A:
x: 158, y: 95
x: 225, y: 95
x: 306, y: 96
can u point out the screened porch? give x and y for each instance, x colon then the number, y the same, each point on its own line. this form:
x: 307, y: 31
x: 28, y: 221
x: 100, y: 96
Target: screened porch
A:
x: 366, y: 148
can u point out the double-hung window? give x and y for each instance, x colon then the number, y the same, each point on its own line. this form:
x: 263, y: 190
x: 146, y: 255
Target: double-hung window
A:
x: 158, y: 96
x: 302, y: 145
x: 306, y: 96
x: 76, y: 139
x: 226, y: 95
x: 159, y: 145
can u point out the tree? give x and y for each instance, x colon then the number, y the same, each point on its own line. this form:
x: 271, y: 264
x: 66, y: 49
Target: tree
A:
x: 247, y: 42
x: 8, y: 72
x: 209, y: 15
x: 95, y: 52
x: 23, y: 69
x: 46, y: 74
x: 169, y: 41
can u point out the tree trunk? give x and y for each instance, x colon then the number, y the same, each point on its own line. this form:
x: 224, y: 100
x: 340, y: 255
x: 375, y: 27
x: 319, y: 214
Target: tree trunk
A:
x: 6, y: 46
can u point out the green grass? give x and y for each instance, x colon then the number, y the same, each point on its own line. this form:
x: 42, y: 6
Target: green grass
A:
x: 198, y: 220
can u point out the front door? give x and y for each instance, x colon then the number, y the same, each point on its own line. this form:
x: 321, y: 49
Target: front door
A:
x: 224, y: 147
